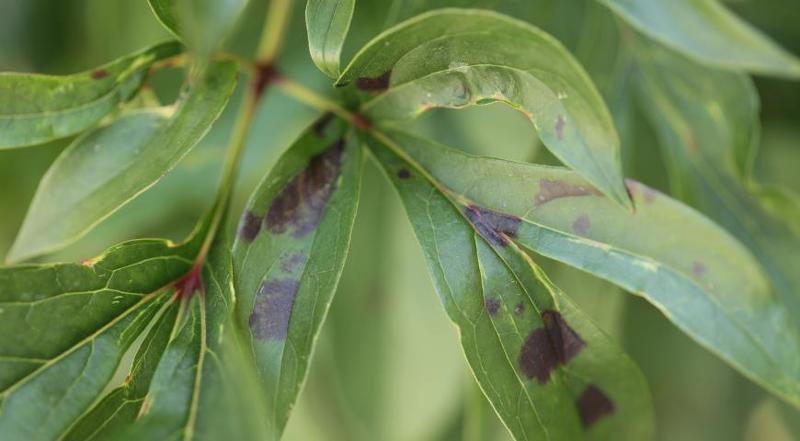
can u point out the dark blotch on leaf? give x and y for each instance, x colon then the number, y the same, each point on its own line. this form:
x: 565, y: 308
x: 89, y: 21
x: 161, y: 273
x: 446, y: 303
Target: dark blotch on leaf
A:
x: 492, y: 305
x: 550, y: 189
x: 291, y: 263
x: 493, y: 226
x: 300, y: 204
x: 519, y: 309
x: 547, y: 348
x: 249, y: 226
x: 560, y: 123
x: 403, y: 173
x: 378, y: 84
x: 322, y: 123
x: 698, y: 269
x: 582, y: 224
x: 99, y: 74
x: 273, y: 309
x: 593, y: 404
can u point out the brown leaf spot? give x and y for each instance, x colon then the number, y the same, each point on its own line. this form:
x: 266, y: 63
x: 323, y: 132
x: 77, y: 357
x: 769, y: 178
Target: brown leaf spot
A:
x: 361, y: 122
x: 493, y: 226
x: 403, y: 173
x: 549, y: 347
x: 519, y: 309
x: 300, y: 204
x: 699, y: 269
x: 537, y: 358
x: 249, y: 226
x: 550, y: 189
x: 593, y: 404
x: 291, y: 263
x: 582, y: 224
x: 492, y: 305
x: 566, y: 341
x: 322, y: 123
x: 99, y: 74
x: 378, y: 84
x: 560, y: 123
x: 273, y: 309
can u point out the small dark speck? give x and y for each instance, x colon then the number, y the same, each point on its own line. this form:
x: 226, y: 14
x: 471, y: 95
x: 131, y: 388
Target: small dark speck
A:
x: 403, y: 173
x: 698, y: 269
x: 582, y: 224
x: 560, y: 123
x: 492, y: 305
x: 593, y: 404
x: 249, y: 226
x: 519, y: 309
x: 99, y: 74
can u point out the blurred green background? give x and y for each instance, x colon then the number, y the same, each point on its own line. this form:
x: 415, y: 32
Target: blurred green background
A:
x: 388, y: 365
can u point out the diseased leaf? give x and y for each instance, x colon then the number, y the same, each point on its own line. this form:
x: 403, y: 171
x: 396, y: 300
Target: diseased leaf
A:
x: 38, y: 108
x: 327, y: 23
x: 104, y: 169
x: 549, y: 372
x: 709, y: 138
x: 708, y: 32
x: 65, y: 328
x: 291, y: 245
x: 460, y: 57
x: 201, y: 24
x: 701, y: 278
x: 203, y: 387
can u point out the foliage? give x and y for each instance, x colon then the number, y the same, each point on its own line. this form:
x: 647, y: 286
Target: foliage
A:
x: 212, y: 337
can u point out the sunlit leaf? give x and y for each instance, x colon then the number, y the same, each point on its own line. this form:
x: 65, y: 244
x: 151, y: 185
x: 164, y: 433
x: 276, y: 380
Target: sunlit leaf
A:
x: 709, y: 33
x: 104, y: 169
x: 701, y: 278
x: 327, y: 23
x: 65, y: 328
x: 39, y: 108
x: 459, y: 57
x: 289, y: 253
x: 549, y: 372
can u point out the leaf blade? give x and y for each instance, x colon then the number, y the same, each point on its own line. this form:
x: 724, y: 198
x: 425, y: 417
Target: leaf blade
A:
x: 39, y: 108
x: 103, y: 170
x: 454, y: 58
x: 327, y: 23
x: 289, y: 254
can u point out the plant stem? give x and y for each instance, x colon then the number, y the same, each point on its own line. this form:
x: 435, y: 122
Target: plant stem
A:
x: 269, y: 47
x: 274, y: 30
x: 313, y: 99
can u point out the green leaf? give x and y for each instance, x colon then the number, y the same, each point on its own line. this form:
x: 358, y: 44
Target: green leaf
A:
x: 202, y: 24
x: 701, y: 278
x: 708, y: 32
x: 203, y: 387
x: 38, y: 108
x: 289, y: 253
x: 708, y: 126
x: 455, y: 58
x: 549, y: 372
x: 65, y: 328
x: 327, y: 23
x: 104, y: 169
